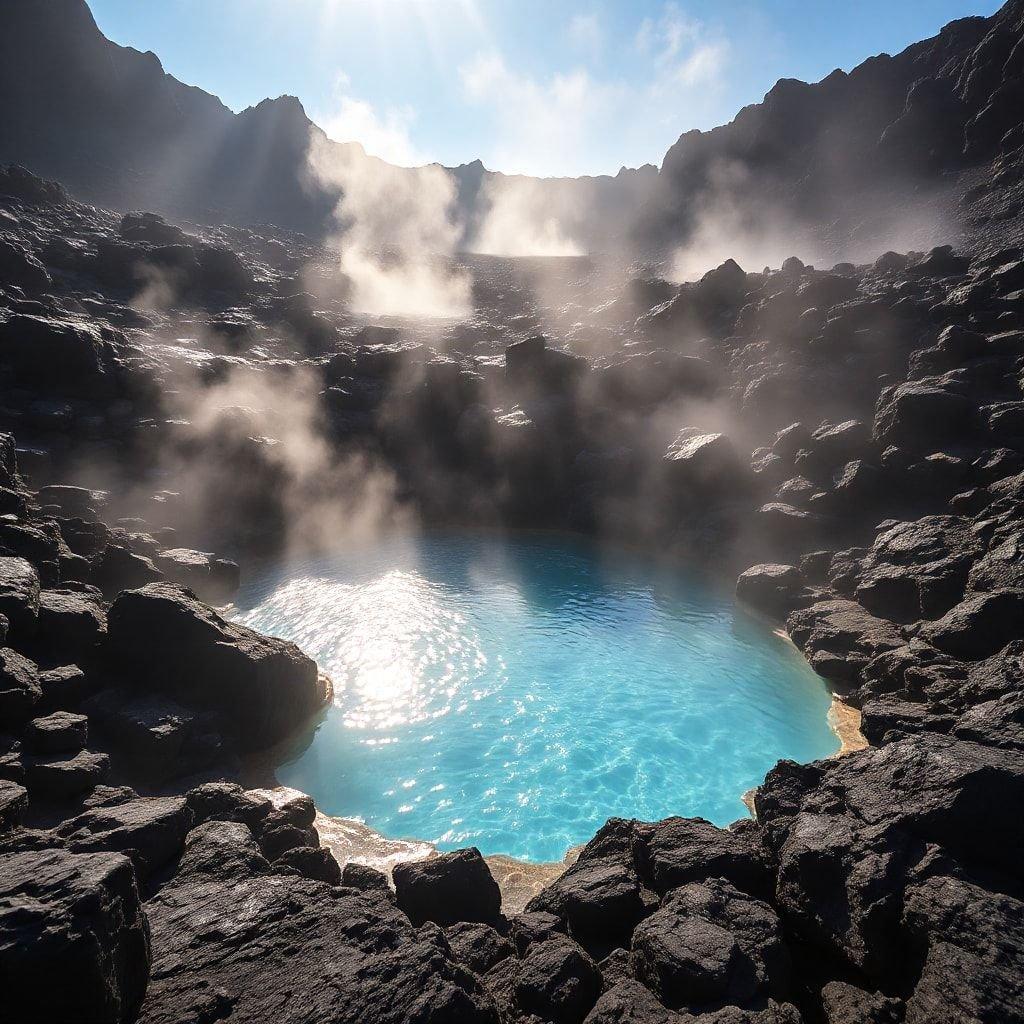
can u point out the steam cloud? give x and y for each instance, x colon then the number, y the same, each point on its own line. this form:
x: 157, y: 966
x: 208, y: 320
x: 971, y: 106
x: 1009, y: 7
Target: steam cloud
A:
x: 397, y: 229
x: 519, y: 221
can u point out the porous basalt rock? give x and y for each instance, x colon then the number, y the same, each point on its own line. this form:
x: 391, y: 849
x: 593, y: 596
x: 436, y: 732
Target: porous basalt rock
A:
x: 261, y: 688
x: 74, y: 941
x: 449, y: 888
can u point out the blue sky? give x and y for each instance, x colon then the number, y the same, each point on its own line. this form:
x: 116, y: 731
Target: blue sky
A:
x: 532, y: 86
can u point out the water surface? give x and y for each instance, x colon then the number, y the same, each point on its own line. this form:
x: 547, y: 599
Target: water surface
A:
x: 514, y: 692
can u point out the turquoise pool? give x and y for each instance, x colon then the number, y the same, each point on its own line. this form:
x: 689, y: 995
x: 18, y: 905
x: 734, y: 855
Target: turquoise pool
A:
x: 514, y: 692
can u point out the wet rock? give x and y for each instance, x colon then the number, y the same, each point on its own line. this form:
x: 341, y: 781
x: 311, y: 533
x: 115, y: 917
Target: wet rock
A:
x: 150, y: 830
x: 56, y: 733
x: 261, y: 688
x: 74, y: 941
x: 710, y: 944
x: 447, y: 889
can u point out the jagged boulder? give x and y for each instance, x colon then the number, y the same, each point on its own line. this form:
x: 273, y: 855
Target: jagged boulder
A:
x: 556, y: 981
x: 13, y: 804
x: 150, y: 830
x: 55, y: 353
x: 300, y: 951
x: 980, y: 625
x: 449, y: 888
x: 774, y: 590
x: 972, y: 944
x: 923, y: 417
x: 709, y: 944
x: 74, y: 941
x: 261, y: 688
x: 57, y: 732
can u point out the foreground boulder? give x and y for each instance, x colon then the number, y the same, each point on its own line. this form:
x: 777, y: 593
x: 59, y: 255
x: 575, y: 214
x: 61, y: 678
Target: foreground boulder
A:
x: 261, y: 687
x: 771, y: 589
x: 74, y: 942
x: 452, y: 887
x: 150, y: 830
x: 282, y: 948
x: 710, y: 944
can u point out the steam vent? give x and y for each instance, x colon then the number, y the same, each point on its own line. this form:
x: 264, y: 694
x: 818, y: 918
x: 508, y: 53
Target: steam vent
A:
x: 582, y: 584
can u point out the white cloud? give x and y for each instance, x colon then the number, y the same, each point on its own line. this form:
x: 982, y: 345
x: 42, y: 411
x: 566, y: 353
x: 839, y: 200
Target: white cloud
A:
x: 574, y: 122
x: 385, y: 133
x: 682, y: 49
x: 702, y: 65
x: 543, y: 124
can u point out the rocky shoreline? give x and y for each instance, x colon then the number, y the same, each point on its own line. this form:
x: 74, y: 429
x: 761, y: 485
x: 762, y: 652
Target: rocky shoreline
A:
x: 868, y: 490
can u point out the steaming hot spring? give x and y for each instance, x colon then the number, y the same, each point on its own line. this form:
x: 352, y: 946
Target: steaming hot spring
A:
x: 514, y: 692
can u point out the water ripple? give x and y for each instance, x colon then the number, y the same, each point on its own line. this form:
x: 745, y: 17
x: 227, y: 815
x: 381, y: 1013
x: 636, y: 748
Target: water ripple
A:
x: 515, y: 693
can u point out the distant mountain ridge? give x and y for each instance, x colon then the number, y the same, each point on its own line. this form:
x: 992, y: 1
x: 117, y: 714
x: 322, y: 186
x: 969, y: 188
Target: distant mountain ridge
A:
x: 112, y: 125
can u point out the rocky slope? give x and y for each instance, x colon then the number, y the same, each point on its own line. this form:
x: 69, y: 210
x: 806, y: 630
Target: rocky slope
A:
x: 116, y: 129
x: 903, y: 151
x: 848, y: 442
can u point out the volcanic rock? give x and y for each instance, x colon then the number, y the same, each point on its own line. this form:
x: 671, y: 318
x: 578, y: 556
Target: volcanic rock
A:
x: 74, y: 941
x: 261, y: 688
x: 447, y: 889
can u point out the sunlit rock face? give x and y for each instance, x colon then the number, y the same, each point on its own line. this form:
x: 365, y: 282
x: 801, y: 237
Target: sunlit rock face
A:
x: 512, y: 694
